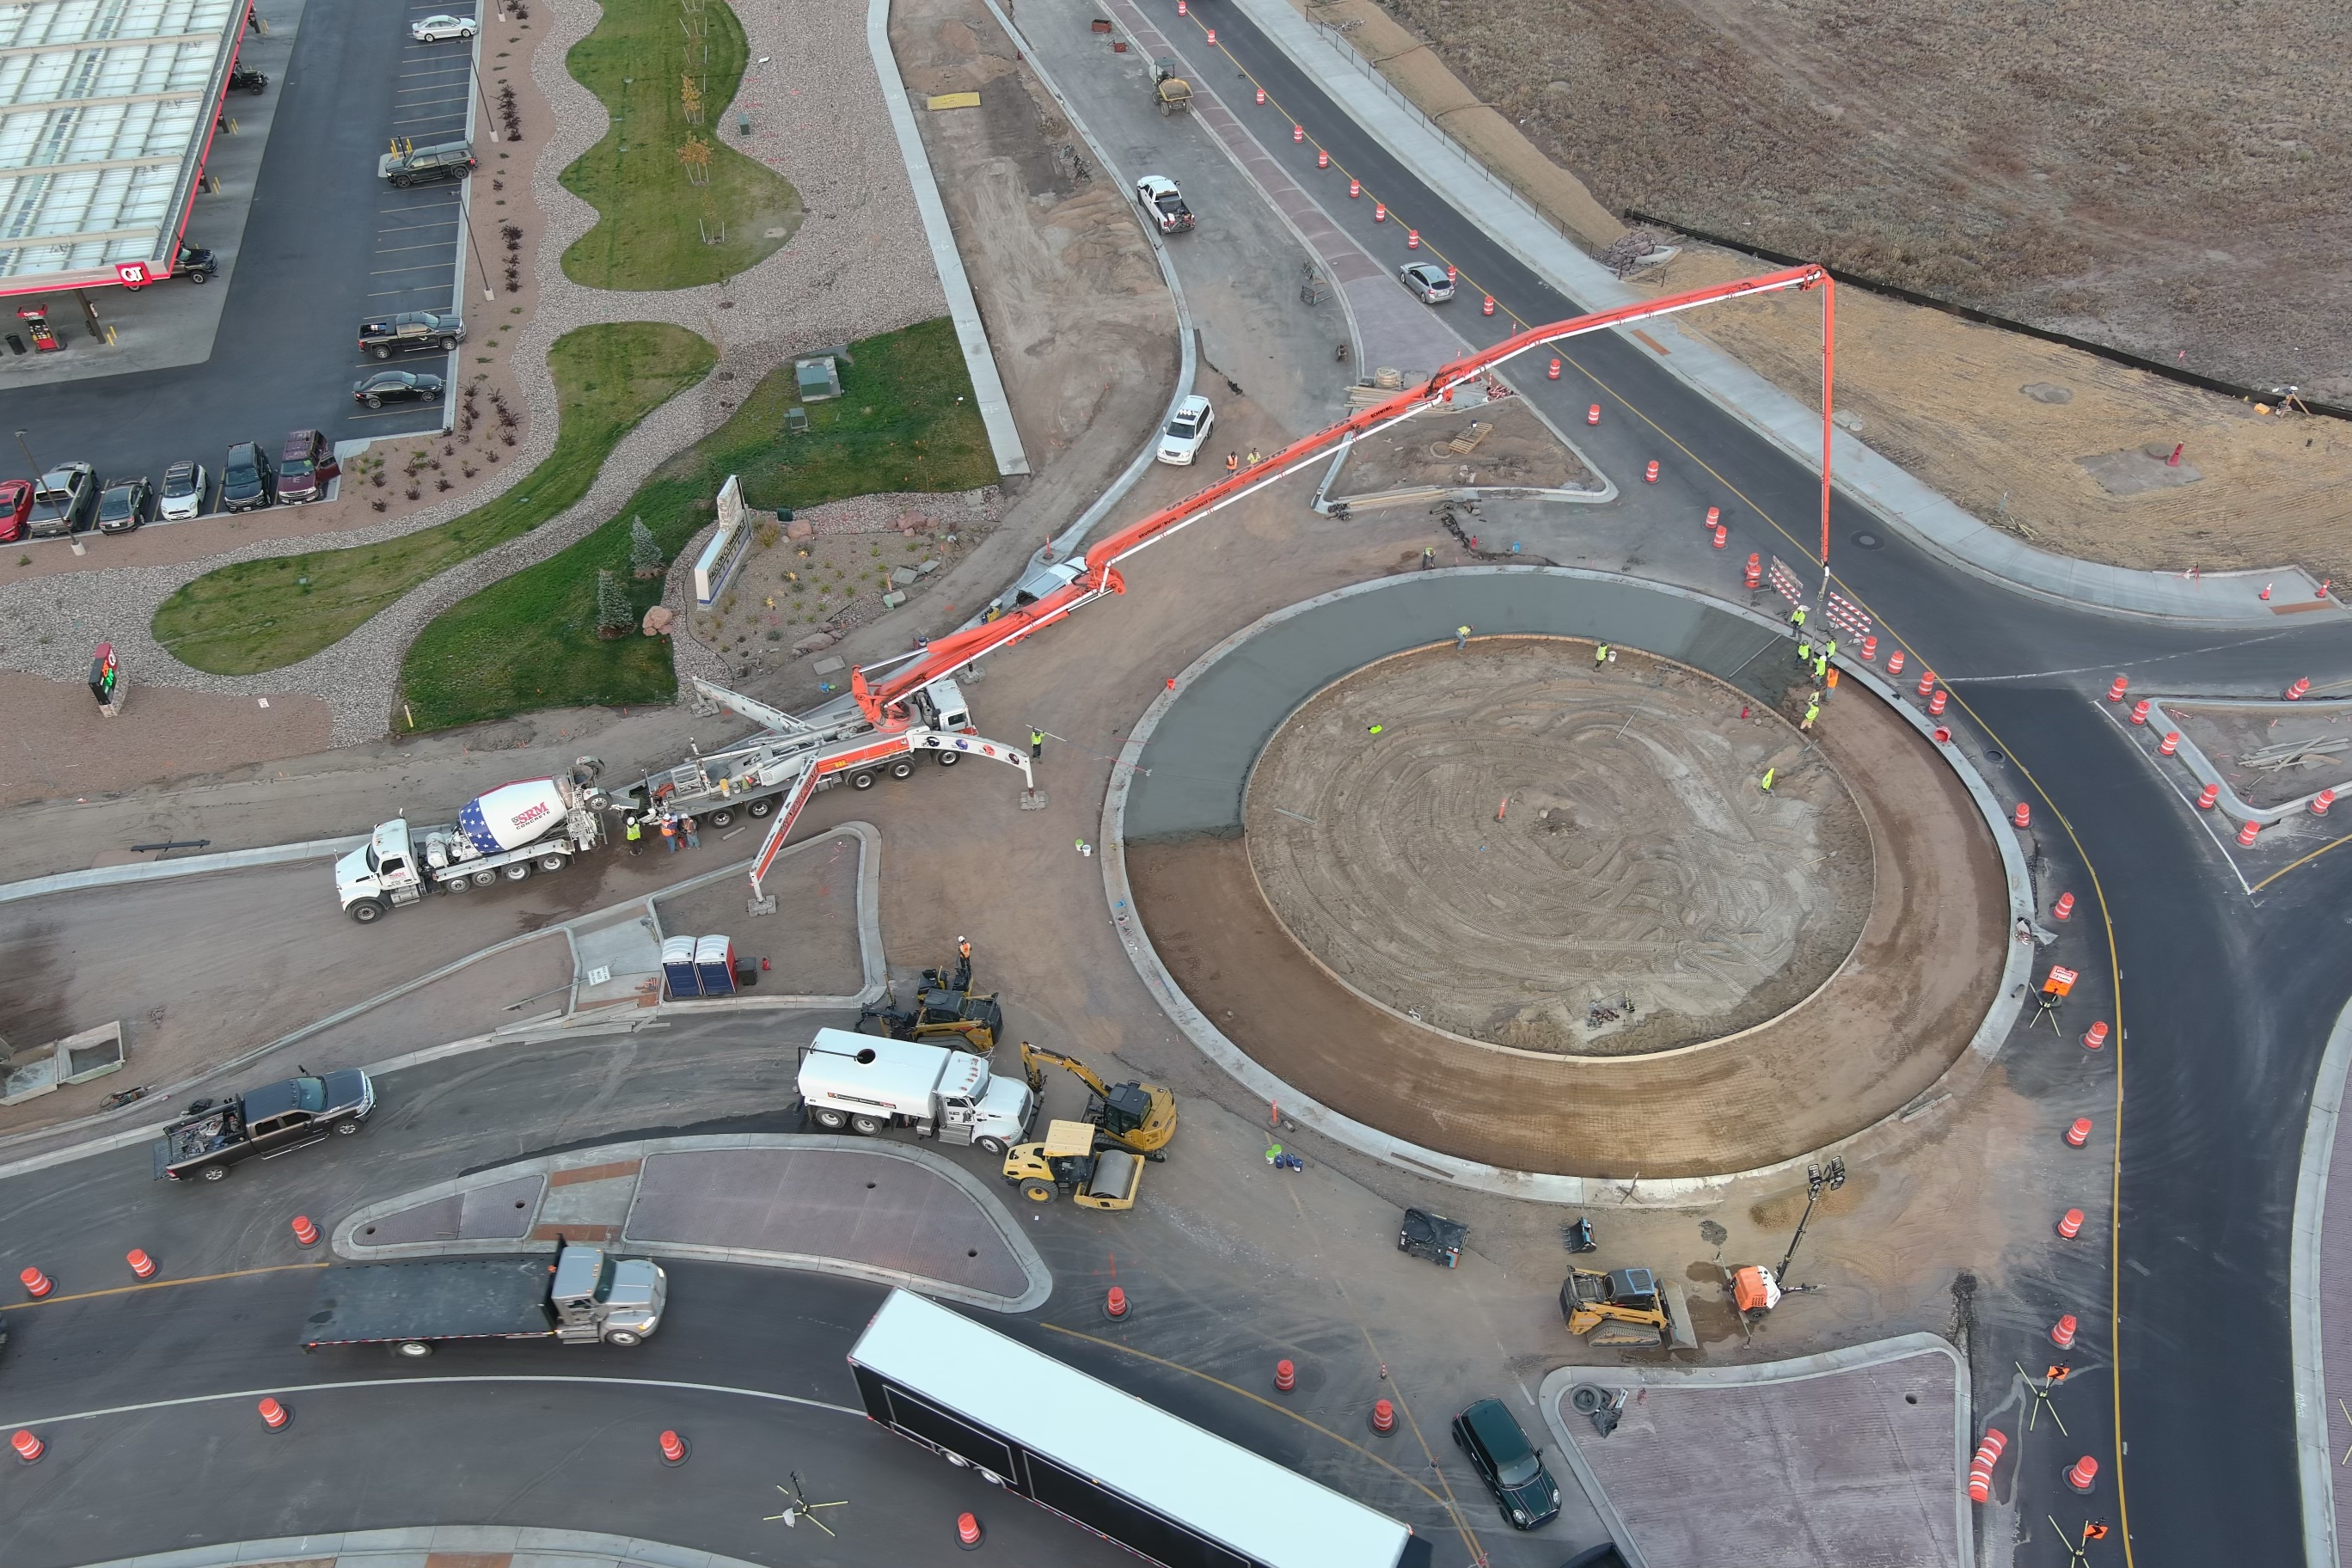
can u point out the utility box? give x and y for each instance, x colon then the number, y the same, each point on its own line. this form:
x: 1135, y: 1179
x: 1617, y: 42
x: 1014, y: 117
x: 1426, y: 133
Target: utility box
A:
x: 677, y: 967
x: 819, y: 378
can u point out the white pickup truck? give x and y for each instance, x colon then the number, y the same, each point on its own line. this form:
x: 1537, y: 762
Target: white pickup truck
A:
x: 1163, y: 204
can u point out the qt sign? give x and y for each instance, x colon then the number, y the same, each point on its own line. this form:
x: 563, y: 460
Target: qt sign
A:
x: 106, y: 679
x: 132, y: 274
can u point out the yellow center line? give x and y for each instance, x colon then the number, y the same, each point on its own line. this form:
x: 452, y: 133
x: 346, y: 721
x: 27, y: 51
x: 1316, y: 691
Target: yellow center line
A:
x: 2299, y: 861
x: 54, y: 1301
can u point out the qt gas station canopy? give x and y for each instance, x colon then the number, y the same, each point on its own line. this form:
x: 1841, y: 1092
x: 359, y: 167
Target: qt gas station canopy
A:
x: 107, y: 110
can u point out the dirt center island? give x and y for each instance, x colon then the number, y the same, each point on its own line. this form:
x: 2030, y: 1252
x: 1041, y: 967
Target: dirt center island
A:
x: 1457, y: 868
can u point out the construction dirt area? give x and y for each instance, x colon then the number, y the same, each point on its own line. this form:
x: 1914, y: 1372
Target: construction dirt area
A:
x: 2062, y: 448
x: 1537, y: 854
x: 1080, y: 321
x: 2165, y: 178
x: 1502, y: 444
x: 2270, y: 753
x: 2204, y: 247
x: 1880, y: 1031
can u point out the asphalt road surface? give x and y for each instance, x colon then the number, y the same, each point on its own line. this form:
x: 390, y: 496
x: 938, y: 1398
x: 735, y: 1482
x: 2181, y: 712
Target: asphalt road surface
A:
x: 314, y: 245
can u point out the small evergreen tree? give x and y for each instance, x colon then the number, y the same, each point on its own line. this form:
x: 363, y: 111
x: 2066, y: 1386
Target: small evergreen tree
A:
x: 613, y: 616
x: 644, y: 554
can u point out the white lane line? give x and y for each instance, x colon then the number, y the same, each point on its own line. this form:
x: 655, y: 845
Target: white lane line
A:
x: 407, y: 1381
x: 2203, y: 819
x: 2110, y: 668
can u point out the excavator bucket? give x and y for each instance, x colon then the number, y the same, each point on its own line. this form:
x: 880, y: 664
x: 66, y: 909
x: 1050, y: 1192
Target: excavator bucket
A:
x: 1678, y: 1320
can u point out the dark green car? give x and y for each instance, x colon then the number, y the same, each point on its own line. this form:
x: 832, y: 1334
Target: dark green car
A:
x: 1509, y: 1465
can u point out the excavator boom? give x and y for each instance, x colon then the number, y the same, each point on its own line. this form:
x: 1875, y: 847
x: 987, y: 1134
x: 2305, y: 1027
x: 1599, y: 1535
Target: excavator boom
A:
x: 885, y: 702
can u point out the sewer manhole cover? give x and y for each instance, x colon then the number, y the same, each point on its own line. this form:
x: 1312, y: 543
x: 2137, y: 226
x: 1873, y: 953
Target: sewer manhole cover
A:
x: 1867, y: 540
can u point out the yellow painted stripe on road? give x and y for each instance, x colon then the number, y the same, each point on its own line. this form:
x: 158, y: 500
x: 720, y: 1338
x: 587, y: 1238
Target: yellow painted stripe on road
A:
x: 952, y: 101
x: 161, y: 1285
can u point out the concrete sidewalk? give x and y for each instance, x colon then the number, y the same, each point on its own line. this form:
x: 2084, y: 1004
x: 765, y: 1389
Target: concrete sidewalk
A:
x: 862, y: 1207
x: 1906, y: 504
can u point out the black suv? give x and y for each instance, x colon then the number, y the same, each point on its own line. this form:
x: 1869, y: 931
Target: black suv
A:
x: 217, y: 1134
x: 248, y: 481
x: 1509, y: 1465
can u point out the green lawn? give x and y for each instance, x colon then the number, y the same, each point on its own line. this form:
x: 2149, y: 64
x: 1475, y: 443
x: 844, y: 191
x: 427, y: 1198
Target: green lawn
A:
x: 650, y: 233
x: 265, y: 614
x: 530, y: 641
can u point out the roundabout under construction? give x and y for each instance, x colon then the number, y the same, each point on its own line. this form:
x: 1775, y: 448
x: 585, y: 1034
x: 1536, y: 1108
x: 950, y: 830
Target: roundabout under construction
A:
x: 1515, y: 906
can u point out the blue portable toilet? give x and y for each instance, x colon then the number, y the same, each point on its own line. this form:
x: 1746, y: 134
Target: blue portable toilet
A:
x: 677, y: 967
x: 714, y: 957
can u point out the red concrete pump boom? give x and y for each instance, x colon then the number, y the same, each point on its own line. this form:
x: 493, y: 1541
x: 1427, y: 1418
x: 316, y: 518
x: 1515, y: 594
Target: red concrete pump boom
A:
x: 884, y: 703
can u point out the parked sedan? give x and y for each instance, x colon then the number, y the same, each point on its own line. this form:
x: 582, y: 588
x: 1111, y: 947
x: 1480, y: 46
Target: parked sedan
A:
x: 435, y: 29
x: 1428, y: 282
x: 184, y: 490
x: 1509, y: 1465
x: 15, y: 510
x: 125, y: 504
x: 395, y: 386
x: 1181, y: 443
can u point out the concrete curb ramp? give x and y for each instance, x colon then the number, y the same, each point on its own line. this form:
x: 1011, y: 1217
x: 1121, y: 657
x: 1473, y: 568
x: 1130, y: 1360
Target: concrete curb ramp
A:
x: 1204, y: 797
x: 411, y: 1547
x: 1557, y: 1385
x: 673, y: 1198
x: 1908, y: 506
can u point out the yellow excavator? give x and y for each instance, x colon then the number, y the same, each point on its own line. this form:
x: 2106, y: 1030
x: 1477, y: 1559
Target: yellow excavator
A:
x: 1138, y: 1117
x: 1625, y: 1308
x: 1078, y: 1159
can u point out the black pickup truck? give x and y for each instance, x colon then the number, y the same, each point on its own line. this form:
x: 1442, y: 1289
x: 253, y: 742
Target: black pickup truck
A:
x: 408, y: 330
x: 277, y: 1120
x: 424, y: 165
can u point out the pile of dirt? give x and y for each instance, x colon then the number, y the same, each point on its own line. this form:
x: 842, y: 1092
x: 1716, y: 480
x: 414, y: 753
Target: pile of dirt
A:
x: 2165, y: 178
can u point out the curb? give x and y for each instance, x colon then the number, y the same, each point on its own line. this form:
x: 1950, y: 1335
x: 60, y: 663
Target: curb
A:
x: 193, y: 866
x: 2202, y: 769
x: 971, y: 332
x: 2304, y: 1309
x: 354, y: 1548
x: 1068, y: 543
x: 1535, y: 1186
x: 1040, y: 1277
x: 1848, y: 1358
x: 1904, y: 504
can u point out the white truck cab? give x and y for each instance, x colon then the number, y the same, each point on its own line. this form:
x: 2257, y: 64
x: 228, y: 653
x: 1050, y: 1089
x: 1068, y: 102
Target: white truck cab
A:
x: 379, y: 873
x: 866, y: 1083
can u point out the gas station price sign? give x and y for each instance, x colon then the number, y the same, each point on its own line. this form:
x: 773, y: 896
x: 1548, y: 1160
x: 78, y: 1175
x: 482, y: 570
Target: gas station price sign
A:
x: 105, y: 674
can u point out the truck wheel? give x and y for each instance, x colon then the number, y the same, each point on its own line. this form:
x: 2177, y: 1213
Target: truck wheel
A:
x: 624, y: 1337
x: 367, y: 911
x: 381, y: 353
x: 1036, y: 1191
x: 865, y: 1126
x: 346, y: 1128
x: 550, y: 862
x: 831, y: 1120
x: 902, y: 768
x: 721, y: 818
x: 992, y: 1147
x: 484, y: 879
x: 413, y: 1350
x: 946, y: 759
x: 761, y: 807
x: 454, y: 885
x: 862, y: 780
x: 216, y: 1173
x: 517, y: 871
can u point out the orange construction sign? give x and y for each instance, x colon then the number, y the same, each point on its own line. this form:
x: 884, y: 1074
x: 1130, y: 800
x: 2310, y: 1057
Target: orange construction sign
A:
x: 2062, y: 981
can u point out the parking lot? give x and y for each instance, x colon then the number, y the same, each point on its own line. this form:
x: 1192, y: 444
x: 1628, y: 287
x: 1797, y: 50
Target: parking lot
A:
x: 325, y: 244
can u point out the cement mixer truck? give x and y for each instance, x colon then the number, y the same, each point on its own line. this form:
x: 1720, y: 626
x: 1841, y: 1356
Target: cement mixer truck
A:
x: 531, y: 825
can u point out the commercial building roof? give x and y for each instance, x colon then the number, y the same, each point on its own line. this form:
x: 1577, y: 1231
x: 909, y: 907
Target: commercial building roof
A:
x: 105, y: 109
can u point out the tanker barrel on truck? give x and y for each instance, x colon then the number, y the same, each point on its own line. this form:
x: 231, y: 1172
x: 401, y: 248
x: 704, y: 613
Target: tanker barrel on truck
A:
x: 864, y: 1084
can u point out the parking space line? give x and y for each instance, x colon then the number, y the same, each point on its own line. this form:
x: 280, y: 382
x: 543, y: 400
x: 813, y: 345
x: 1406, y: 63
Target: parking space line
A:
x: 403, y: 249
x: 446, y: 229
x: 396, y: 271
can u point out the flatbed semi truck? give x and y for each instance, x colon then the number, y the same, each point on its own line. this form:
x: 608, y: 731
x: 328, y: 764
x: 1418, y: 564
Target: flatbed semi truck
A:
x: 583, y: 1297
